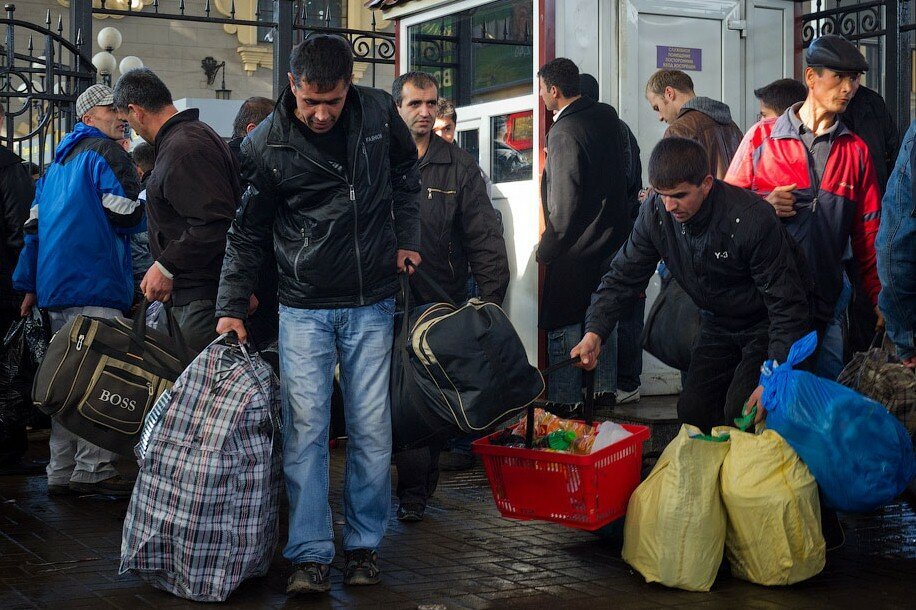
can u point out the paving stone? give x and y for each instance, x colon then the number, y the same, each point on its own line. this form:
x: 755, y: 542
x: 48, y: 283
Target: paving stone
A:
x: 463, y: 555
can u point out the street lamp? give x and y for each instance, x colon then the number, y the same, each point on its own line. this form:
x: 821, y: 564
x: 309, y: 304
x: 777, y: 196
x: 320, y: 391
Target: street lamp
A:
x: 105, y: 62
x: 210, y: 67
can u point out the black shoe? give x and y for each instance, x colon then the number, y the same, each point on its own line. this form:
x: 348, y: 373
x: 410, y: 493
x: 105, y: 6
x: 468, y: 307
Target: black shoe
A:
x: 456, y: 460
x: 361, y: 567
x: 310, y: 577
x: 605, y: 399
x: 22, y: 467
x: 112, y: 486
x: 410, y: 513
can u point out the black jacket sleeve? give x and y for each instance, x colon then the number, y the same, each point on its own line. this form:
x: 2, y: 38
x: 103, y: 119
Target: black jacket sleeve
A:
x: 777, y: 273
x: 482, y: 238
x: 405, y: 182
x: 202, y: 192
x: 627, y: 277
x: 16, y: 194
x: 249, y: 238
x: 566, y: 164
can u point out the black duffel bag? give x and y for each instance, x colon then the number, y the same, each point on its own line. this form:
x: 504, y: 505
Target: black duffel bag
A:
x: 456, y: 370
x: 672, y: 327
x: 100, y: 377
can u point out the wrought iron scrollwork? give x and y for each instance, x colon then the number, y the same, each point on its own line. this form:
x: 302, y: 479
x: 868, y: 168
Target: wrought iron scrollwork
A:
x: 855, y: 21
x: 39, y: 84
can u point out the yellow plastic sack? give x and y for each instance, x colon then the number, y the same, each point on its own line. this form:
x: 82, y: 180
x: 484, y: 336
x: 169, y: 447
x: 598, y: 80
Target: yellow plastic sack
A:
x: 774, y: 516
x: 674, y: 533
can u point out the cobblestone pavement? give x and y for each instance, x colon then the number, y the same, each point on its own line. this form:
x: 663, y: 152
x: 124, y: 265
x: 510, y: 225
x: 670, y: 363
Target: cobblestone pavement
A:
x: 63, y: 553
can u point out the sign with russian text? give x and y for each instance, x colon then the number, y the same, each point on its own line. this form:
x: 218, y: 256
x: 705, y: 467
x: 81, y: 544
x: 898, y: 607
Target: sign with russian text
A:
x: 679, y: 58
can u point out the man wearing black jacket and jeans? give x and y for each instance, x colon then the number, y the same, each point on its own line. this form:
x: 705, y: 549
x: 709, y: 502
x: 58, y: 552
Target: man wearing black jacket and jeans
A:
x: 458, y: 228
x: 587, y: 218
x: 332, y: 189
x: 191, y: 200
x: 733, y: 257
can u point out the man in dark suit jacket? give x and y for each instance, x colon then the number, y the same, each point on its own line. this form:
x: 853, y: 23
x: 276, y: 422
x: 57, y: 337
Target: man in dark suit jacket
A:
x: 587, y: 218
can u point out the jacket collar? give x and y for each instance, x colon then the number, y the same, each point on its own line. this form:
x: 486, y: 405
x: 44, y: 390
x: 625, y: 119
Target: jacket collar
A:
x: 583, y: 103
x: 785, y: 127
x: 282, y: 128
x: 701, y: 220
x: 184, y: 116
x: 439, y: 151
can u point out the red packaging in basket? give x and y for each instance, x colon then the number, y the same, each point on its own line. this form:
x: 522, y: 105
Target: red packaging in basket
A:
x: 581, y: 491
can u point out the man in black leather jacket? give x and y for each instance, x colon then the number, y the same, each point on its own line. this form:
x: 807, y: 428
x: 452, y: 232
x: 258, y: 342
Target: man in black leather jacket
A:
x: 731, y: 254
x: 332, y: 186
x: 458, y: 226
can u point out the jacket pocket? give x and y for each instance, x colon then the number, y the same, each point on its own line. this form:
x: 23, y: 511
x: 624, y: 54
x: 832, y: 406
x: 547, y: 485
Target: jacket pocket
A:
x: 300, y: 253
x: 430, y: 190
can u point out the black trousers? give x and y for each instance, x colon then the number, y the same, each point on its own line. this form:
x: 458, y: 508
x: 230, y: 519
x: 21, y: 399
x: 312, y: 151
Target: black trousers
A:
x: 418, y: 474
x: 724, y: 370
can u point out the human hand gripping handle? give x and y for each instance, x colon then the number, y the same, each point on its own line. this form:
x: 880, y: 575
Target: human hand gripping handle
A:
x: 588, y: 350
x: 408, y: 255
x: 28, y: 301
x: 232, y: 325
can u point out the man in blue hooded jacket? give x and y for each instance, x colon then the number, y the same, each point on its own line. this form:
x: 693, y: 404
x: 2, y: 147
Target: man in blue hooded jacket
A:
x: 87, y: 207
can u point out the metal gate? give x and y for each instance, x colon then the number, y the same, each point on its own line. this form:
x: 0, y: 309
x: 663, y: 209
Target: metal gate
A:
x: 883, y: 30
x: 41, y: 75
x: 43, y: 69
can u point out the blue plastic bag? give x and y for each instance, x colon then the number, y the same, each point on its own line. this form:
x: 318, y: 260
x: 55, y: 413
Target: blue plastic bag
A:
x: 860, y: 455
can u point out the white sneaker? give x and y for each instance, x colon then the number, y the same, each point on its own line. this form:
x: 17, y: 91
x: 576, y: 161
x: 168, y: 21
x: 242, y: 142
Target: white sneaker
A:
x: 623, y: 397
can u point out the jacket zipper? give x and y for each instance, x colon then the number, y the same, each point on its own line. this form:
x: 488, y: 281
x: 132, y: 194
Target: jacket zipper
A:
x: 352, y: 178
x: 347, y: 179
x: 435, y: 190
x: 302, y: 248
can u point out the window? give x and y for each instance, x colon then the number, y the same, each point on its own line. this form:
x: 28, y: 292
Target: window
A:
x: 511, y: 158
x: 469, y: 140
x: 478, y: 55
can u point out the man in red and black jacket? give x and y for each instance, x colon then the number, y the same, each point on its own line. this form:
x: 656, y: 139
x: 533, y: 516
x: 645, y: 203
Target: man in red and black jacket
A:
x: 818, y: 175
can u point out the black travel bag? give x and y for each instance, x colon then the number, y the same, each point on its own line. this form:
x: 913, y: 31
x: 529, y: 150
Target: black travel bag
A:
x: 672, y: 327
x: 456, y: 370
x: 100, y: 377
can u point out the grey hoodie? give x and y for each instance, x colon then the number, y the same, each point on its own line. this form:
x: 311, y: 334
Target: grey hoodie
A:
x: 716, y: 110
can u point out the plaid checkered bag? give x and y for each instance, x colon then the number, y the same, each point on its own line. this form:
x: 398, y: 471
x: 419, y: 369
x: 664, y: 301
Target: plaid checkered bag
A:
x: 203, y: 516
x: 879, y: 374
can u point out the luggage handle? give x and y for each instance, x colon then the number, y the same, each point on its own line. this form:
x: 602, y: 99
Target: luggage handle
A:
x: 139, y: 332
x: 439, y: 290
x: 588, y: 409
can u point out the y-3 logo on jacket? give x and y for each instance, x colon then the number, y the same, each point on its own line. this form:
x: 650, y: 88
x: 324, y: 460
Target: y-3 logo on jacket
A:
x: 720, y: 255
x: 117, y: 400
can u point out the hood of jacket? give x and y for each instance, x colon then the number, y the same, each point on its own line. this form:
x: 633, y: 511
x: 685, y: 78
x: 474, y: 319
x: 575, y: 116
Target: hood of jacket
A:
x: 79, y: 133
x: 714, y: 109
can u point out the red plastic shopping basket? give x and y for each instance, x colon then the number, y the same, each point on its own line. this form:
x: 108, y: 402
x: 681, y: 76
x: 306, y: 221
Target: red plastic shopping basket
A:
x: 582, y: 491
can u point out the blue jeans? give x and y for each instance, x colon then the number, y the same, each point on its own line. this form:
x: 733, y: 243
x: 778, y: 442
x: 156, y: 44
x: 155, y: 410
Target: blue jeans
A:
x: 312, y: 343
x: 565, y: 385
x: 830, y: 355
